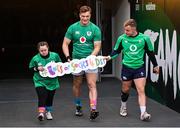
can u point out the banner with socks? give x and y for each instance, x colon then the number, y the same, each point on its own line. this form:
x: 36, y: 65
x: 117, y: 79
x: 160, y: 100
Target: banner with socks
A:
x: 53, y: 69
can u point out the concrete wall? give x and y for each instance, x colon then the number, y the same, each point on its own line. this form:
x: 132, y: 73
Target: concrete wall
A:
x: 122, y: 14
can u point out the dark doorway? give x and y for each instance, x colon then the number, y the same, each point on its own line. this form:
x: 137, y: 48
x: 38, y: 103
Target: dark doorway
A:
x: 24, y: 23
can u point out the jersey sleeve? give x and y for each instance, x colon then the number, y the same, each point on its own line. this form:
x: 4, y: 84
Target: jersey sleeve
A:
x: 149, y: 44
x: 32, y: 63
x: 58, y: 59
x: 69, y: 32
x: 97, y: 34
x: 117, y: 48
x: 150, y: 51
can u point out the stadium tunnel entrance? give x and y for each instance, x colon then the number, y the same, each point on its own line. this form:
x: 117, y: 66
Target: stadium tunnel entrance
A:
x: 24, y: 23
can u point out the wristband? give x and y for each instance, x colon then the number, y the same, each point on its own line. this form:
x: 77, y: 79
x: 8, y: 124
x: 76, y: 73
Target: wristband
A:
x: 68, y: 57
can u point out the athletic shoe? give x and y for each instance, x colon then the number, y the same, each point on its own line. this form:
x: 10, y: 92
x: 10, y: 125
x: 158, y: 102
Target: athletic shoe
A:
x: 41, y: 116
x: 49, y: 116
x: 94, y: 114
x: 145, y: 116
x: 78, y: 111
x: 123, y: 111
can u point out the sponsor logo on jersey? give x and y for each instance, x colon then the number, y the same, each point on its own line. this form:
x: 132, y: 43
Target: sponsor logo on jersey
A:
x: 82, y: 39
x: 133, y: 48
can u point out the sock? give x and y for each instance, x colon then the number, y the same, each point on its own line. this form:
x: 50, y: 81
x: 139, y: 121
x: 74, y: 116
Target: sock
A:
x: 78, y: 102
x: 123, y: 104
x: 41, y: 109
x: 93, y: 104
x: 49, y: 108
x: 143, y: 109
x: 124, y: 96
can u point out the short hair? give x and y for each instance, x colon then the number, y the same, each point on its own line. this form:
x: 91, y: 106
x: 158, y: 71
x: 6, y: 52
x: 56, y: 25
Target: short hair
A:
x: 84, y: 9
x: 42, y: 43
x: 130, y: 22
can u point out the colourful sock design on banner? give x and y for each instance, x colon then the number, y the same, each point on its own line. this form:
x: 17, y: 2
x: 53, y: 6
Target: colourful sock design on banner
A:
x: 93, y: 104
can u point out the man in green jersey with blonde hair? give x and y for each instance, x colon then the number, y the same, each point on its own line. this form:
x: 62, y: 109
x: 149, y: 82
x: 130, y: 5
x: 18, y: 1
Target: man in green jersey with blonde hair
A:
x: 86, y: 39
x: 134, y: 45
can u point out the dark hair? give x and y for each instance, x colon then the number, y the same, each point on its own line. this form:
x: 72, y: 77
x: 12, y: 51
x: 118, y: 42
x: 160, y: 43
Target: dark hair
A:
x: 42, y: 43
x: 130, y: 22
x: 85, y: 9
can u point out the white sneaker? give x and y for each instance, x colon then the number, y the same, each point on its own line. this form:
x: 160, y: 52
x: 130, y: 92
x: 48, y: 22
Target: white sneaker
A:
x: 123, y: 111
x: 49, y: 116
x: 145, y: 116
x: 41, y: 116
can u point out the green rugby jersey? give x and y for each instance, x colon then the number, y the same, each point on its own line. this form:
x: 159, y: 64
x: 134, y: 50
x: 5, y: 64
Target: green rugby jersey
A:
x: 39, y: 81
x: 133, y: 49
x: 83, y: 38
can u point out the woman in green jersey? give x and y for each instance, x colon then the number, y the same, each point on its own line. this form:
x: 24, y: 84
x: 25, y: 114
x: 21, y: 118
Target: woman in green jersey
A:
x: 45, y: 86
x: 86, y: 39
x: 134, y: 45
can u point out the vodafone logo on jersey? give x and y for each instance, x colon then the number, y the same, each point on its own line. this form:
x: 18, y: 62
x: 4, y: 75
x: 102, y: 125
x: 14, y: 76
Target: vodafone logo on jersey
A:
x: 133, y: 48
x: 82, y: 39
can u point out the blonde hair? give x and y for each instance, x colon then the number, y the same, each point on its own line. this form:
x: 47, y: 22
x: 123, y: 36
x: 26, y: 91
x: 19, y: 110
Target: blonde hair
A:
x: 85, y: 9
x: 130, y: 22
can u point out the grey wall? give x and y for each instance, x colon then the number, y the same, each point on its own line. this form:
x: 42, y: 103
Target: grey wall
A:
x: 122, y: 14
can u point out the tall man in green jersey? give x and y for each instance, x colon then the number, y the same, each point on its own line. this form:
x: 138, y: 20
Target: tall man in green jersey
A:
x: 86, y: 39
x: 134, y: 45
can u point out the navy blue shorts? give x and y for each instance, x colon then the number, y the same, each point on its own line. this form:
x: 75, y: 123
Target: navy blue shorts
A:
x: 130, y: 74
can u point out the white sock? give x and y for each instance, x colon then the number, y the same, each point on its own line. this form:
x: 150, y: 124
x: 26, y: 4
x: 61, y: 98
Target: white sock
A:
x: 143, y: 109
x: 123, y: 104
